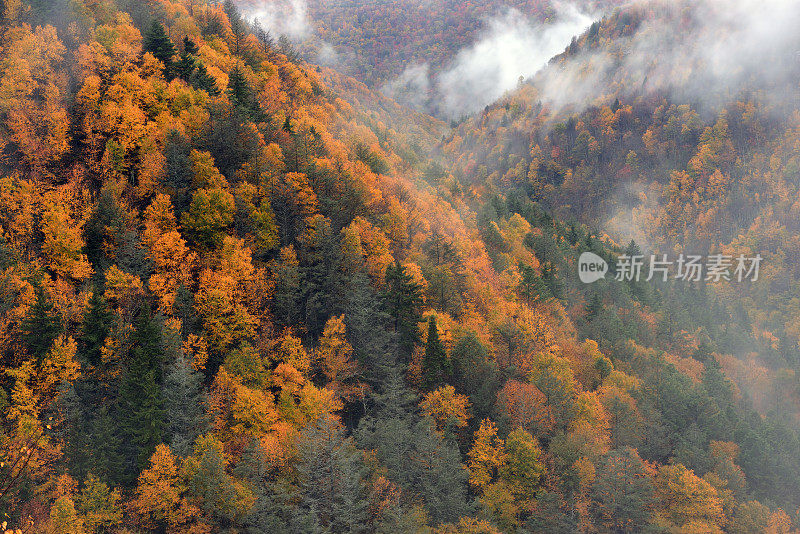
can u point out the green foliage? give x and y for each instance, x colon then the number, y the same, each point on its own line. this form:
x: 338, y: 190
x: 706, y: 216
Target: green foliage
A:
x: 623, y: 494
x: 158, y: 43
x: 403, y: 298
x: 41, y: 326
x: 210, y: 213
x: 435, y: 365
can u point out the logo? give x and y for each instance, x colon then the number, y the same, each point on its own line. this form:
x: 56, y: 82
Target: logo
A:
x: 591, y: 267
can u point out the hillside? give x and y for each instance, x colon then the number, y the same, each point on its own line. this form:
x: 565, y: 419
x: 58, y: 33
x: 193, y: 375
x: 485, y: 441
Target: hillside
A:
x: 245, y: 293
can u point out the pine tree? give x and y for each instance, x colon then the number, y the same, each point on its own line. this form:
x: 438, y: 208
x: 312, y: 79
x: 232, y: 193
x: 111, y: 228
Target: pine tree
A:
x: 158, y: 43
x: 403, y: 298
x: 97, y: 324
x: 239, y: 90
x: 435, y: 366
x: 594, y: 306
x: 183, y: 401
x: 332, y: 479
x: 425, y: 465
x: 140, y: 398
x: 188, y: 61
x: 623, y: 492
x: 41, y: 327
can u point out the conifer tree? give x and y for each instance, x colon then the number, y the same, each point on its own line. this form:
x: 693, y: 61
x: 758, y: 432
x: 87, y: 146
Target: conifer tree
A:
x: 435, y: 366
x: 403, y: 298
x: 140, y: 398
x: 97, y: 323
x: 41, y: 327
x: 158, y: 43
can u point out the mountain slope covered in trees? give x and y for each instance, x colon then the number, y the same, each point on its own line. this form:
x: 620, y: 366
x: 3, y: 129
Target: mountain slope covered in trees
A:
x: 243, y: 293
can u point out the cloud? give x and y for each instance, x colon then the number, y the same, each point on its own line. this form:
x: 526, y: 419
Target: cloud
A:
x: 412, y: 87
x: 280, y: 17
x: 704, y: 51
x: 512, y: 47
x: 509, y: 47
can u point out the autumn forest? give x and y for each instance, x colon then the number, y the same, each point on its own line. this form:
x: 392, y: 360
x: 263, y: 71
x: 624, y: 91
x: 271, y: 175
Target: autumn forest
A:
x: 244, y: 290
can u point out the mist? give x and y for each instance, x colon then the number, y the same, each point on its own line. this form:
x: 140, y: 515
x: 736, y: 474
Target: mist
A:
x: 512, y: 47
x: 704, y: 52
x: 280, y: 17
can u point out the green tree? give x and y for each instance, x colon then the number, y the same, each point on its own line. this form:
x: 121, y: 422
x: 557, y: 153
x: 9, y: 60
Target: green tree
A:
x: 100, y: 507
x: 623, y: 494
x: 403, y: 298
x: 210, y: 213
x: 141, y: 403
x: 332, y: 479
x: 157, y: 42
x: 435, y: 366
x: 184, y: 401
x: 97, y: 323
x: 41, y: 327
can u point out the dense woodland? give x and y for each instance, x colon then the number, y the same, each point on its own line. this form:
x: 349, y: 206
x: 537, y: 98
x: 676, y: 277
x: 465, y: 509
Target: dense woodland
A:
x: 242, y: 293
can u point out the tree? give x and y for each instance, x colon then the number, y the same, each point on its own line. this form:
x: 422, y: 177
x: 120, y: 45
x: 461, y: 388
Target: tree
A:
x: 524, y: 467
x: 623, y: 493
x: 97, y: 323
x: 486, y: 457
x: 475, y: 374
x: 41, y: 326
x: 332, y: 479
x: 160, y: 500
x: 335, y: 361
x: 100, y: 507
x: 210, y: 213
x: 157, y: 42
x: 219, y: 494
x: 435, y: 365
x: 425, y: 465
x: 403, y: 298
x: 446, y: 407
x: 184, y: 400
x: 240, y: 93
x: 141, y: 402
x: 686, y: 499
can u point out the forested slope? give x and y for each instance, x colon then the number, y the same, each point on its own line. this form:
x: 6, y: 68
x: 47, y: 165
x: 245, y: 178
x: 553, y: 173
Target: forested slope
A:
x: 242, y: 293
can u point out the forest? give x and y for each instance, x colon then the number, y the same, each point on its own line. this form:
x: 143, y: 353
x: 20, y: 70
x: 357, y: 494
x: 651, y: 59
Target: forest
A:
x: 245, y: 293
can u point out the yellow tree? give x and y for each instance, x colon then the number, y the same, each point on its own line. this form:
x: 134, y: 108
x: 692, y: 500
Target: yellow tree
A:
x: 446, y: 407
x: 334, y: 357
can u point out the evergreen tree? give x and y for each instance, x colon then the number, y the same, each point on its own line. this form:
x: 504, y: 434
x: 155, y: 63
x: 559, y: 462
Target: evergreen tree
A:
x: 188, y: 61
x: 41, y: 327
x: 332, y: 479
x: 403, y: 298
x: 183, y: 401
x: 157, y: 42
x: 140, y: 398
x: 475, y: 374
x: 239, y: 91
x: 435, y: 367
x: 594, y: 306
x: 368, y: 329
x: 323, y: 280
x: 97, y: 323
x: 426, y: 466
x: 623, y: 494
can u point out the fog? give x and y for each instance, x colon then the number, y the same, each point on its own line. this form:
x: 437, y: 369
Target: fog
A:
x: 703, y: 52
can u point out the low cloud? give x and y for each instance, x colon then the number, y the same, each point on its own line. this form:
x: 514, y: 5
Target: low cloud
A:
x: 703, y: 51
x: 280, y: 17
x: 511, y: 47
